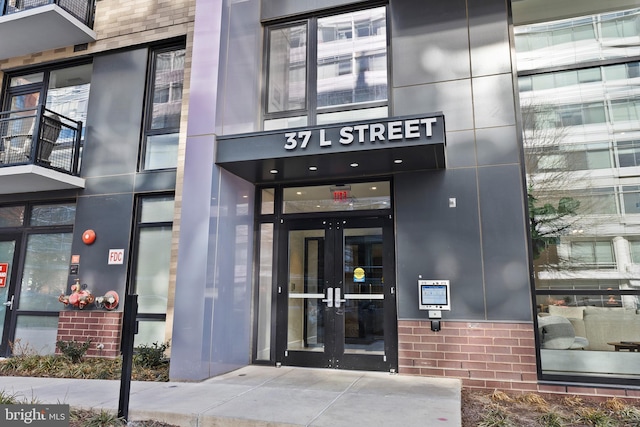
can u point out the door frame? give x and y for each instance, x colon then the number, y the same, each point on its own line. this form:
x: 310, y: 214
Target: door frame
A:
x: 10, y: 315
x: 330, y: 222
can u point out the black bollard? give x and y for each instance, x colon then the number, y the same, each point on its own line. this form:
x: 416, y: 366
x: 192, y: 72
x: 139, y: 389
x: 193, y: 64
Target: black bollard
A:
x: 128, y: 331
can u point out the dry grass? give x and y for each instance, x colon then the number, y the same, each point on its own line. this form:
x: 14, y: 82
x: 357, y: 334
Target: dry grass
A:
x: 500, y: 409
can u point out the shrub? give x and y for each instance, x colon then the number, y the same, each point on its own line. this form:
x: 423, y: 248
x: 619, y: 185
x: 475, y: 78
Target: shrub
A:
x: 150, y: 356
x: 74, y: 350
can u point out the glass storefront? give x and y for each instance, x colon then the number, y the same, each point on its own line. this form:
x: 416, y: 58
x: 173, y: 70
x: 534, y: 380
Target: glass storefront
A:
x: 580, y: 102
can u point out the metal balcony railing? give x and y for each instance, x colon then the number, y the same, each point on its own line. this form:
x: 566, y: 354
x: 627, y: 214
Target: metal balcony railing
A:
x: 82, y: 10
x: 56, y: 147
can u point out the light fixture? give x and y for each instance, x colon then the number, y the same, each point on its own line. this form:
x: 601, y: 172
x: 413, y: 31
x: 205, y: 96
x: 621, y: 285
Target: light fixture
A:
x: 397, y: 161
x: 299, y: 193
x: 273, y: 171
x: 354, y: 165
x: 313, y: 168
x: 374, y: 188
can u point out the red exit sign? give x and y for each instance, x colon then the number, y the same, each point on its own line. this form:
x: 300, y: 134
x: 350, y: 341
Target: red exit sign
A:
x: 4, y: 270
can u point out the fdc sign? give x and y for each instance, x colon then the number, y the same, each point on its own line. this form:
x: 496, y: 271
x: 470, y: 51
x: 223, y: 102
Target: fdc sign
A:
x: 116, y: 256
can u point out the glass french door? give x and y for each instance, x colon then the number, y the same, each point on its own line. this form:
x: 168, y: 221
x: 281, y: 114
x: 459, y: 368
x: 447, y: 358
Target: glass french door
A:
x: 337, y: 307
x: 8, y: 259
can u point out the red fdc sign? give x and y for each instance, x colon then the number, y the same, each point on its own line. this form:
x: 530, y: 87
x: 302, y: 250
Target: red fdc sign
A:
x: 4, y: 269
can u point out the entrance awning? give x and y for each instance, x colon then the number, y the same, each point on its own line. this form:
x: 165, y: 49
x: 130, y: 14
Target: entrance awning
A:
x: 345, y: 150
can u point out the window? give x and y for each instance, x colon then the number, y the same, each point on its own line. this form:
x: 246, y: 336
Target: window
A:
x: 329, y: 65
x: 164, y: 108
x: 592, y: 254
x: 152, y: 261
x: 628, y: 153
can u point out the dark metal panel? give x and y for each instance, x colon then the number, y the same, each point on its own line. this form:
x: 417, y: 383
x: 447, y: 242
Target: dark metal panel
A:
x: 437, y: 241
x: 108, y: 185
x: 461, y: 149
x: 504, y: 243
x: 497, y: 145
x: 453, y: 98
x: 430, y: 41
x: 115, y: 113
x: 493, y: 101
x: 489, y: 37
x: 110, y: 217
x: 155, y: 181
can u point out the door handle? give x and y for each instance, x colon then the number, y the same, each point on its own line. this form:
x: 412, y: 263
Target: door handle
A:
x: 9, y: 303
x: 329, y: 299
x: 338, y: 300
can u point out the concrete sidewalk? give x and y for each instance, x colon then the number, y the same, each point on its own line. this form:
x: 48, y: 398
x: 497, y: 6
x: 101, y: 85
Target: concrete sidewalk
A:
x: 265, y: 396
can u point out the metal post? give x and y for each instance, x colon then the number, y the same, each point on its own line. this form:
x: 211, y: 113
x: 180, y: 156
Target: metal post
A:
x: 128, y: 332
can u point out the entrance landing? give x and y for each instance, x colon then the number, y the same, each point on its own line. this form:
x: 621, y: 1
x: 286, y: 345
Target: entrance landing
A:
x: 267, y: 396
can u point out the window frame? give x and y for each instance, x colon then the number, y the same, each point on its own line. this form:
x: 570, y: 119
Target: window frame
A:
x: 311, y: 110
x: 146, y: 129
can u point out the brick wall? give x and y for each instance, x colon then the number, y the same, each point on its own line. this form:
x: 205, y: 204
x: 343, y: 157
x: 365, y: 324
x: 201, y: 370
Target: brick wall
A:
x: 102, y: 327
x: 487, y: 355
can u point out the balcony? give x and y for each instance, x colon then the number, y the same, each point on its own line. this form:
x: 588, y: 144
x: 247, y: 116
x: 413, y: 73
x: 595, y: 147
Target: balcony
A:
x: 46, y: 163
x: 31, y: 26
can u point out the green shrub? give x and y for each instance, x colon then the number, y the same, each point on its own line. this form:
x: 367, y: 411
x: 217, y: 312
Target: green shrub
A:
x: 150, y: 356
x: 74, y: 350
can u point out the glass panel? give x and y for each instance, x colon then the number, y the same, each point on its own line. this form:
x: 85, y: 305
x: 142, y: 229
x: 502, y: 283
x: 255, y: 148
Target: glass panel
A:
x: 47, y: 215
x: 285, y: 123
x: 306, y: 290
x: 27, y: 79
x: 157, y: 209
x: 347, y: 197
x: 11, y: 216
x: 264, y: 292
x: 286, y: 87
x: 161, y: 151
x: 45, y: 272
x: 353, y: 115
x: 364, y: 291
x: 37, y: 333
x: 152, y: 269
x: 7, y: 249
x: 167, y: 89
x: 352, y: 58
x: 68, y: 92
x: 149, y: 332
x: 268, y: 198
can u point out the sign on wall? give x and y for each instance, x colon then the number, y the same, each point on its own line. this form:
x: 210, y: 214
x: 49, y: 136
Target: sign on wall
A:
x: 4, y: 270
x: 116, y: 256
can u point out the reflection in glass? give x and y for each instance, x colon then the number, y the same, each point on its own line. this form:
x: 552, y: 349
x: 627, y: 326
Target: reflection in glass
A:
x: 364, y: 291
x: 286, y: 87
x: 581, y: 148
x: 352, y: 58
x: 160, y: 151
x: 306, y: 290
x: 264, y: 292
x: 45, y: 272
x: 346, y: 197
x: 60, y: 214
x: 68, y: 92
x: 152, y: 269
x: 267, y: 201
x: 11, y: 216
x: 37, y: 333
x: 157, y: 209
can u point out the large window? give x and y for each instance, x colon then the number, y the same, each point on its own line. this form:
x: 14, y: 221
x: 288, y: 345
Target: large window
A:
x: 321, y: 69
x: 164, y: 109
x: 578, y: 81
x: 152, y: 261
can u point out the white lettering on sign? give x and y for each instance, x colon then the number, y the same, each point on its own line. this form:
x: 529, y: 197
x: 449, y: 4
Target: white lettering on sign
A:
x: 116, y: 256
x: 372, y: 133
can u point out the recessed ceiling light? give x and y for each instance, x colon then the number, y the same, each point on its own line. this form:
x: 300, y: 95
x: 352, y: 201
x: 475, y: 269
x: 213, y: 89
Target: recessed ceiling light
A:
x: 313, y: 168
x: 397, y: 161
x: 245, y: 197
x: 374, y: 188
x: 354, y: 165
x: 273, y: 171
x: 299, y: 193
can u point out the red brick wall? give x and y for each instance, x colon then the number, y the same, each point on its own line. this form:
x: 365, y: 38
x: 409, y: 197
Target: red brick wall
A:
x: 102, y: 327
x: 487, y: 355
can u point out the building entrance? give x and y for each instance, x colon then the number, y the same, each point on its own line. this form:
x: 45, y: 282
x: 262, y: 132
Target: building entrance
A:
x: 8, y: 259
x: 337, y: 308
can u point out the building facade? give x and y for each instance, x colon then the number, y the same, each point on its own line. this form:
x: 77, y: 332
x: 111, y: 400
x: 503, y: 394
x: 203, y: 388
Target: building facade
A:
x: 286, y: 183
